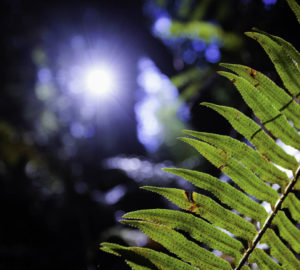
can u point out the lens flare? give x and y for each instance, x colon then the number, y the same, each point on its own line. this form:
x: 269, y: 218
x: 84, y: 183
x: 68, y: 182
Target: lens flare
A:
x: 99, y: 81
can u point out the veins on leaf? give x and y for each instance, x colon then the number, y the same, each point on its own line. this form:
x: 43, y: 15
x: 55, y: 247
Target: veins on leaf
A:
x: 286, y: 105
x: 264, y: 123
x: 274, y: 118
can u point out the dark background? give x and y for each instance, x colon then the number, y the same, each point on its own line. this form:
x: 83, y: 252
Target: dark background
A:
x: 42, y: 227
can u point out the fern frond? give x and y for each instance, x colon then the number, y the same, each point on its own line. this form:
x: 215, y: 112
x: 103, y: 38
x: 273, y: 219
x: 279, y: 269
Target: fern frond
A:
x: 178, y: 244
x: 280, y: 251
x: 256, y: 135
x: 224, y: 192
x: 265, y: 231
x: 288, y: 230
x: 295, y: 8
x: 208, y: 209
x: 145, y: 258
x: 279, y: 98
x: 293, y: 205
x: 263, y: 260
x: 230, y: 220
x: 271, y: 118
x: 287, y: 46
x: 241, y: 175
x: 286, y: 67
x: 244, y: 154
x: 197, y: 228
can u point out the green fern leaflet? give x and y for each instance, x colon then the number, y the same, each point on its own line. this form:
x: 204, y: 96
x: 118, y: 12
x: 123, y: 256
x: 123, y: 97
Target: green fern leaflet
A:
x: 238, y: 235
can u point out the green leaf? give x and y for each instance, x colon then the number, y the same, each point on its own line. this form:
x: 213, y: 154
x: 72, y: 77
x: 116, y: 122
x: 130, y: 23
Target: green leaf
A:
x: 241, y: 175
x: 233, y: 212
x: 136, y: 266
x: 224, y: 192
x: 145, y: 258
x: 263, y: 260
x: 196, y: 227
x: 201, y: 29
x: 271, y: 118
x: 135, y: 261
x: 288, y: 47
x: 185, y: 77
x: 244, y: 154
x: 287, y: 230
x: 287, y: 69
x: 279, y: 98
x: 295, y: 8
x: 280, y: 251
x: 208, y: 209
x: 176, y: 243
x: 206, y: 31
x: 254, y: 133
x: 293, y: 204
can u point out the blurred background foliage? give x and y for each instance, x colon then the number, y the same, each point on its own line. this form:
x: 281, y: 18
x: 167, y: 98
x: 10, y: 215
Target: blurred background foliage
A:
x: 71, y: 162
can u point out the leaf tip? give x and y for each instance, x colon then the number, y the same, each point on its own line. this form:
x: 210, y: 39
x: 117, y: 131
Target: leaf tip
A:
x: 186, y: 131
x: 252, y: 34
x: 182, y: 139
x: 206, y: 104
x: 226, y: 65
x: 248, y: 33
x: 222, y: 73
x: 145, y: 187
x: 230, y: 76
x: 166, y: 169
x: 127, y: 222
x: 169, y: 170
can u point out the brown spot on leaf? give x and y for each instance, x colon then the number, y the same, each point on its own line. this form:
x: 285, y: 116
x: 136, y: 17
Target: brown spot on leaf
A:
x: 257, y: 84
x: 252, y: 72
x: 265, y: 156
x: 222, y: 166
x: 193, y: 207
x: 233, y: 80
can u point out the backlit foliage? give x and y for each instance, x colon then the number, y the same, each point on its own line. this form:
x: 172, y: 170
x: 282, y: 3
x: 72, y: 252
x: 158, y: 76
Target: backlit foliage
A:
x: 233, y: 220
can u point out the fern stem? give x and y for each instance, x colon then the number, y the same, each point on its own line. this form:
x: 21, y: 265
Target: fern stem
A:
x: 269, y: 220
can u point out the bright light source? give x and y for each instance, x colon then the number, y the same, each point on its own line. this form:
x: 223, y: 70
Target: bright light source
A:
x: 99, y: 81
